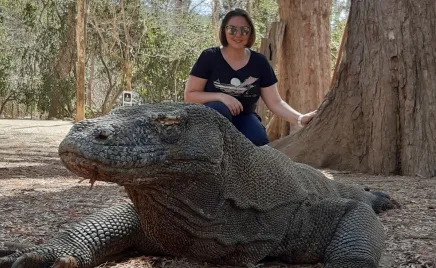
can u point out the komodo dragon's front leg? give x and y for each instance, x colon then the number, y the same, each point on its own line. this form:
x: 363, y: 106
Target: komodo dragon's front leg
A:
x: 87, y: 243
x: 358, y: 240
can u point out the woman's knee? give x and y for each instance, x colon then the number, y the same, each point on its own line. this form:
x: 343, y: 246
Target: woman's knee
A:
x: 221, y: 108
x: 258, y: 138
x: 251, y: 126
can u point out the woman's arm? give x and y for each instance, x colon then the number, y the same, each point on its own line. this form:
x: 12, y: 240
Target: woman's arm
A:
x: 270, y: 95
x: 194, y: 92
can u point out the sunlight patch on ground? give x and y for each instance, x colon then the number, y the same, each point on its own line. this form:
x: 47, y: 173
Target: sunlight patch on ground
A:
x: 16, y: 162
x: 328, y: 175
x: 20, y: 186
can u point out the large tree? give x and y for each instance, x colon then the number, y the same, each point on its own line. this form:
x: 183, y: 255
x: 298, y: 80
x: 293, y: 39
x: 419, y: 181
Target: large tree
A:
x: 380, y: 115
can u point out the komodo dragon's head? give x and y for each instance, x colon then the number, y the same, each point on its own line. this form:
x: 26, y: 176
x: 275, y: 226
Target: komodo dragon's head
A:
x: 135, y: 145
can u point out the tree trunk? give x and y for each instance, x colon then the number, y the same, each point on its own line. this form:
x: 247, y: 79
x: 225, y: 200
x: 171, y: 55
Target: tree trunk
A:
x: 178, y: 5
x: 304, y: 60
x: 214, y: 21
x: 127, y: 65
x: 105, y: 108
x: 270, y: 48
x: 80, y: 76
x: 91, y: 80
x: 379, y: 116
x: 250, y: 6
x: 4, y: 102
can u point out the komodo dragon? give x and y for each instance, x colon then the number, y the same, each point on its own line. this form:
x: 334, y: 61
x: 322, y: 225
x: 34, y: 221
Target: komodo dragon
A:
x: 201, y: 190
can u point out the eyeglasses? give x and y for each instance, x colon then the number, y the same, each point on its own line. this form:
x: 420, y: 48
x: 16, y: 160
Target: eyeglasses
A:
x: 233, y: 30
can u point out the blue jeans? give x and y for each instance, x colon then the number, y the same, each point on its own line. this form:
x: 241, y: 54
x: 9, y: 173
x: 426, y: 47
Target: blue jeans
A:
x: 248, y: 124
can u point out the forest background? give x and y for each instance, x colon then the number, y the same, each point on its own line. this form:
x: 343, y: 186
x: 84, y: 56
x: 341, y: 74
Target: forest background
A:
x: 147, y: 47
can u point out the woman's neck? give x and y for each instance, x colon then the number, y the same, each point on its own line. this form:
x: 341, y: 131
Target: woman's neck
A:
x: 235, y: 54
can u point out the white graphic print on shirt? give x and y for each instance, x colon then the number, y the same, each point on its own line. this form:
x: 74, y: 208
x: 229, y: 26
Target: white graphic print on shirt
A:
x: 235, y: 88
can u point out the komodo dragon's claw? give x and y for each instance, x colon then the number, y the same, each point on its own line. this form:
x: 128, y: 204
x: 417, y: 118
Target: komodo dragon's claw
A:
x: 66, y: 262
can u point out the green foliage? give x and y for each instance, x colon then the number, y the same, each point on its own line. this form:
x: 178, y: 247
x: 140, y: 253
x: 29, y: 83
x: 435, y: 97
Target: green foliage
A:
x: 170, y: 48
x: 5, y: 64
x: 33, y: 34
x: 263, y: 16
x: 58, y: 94
x: 29, y: 14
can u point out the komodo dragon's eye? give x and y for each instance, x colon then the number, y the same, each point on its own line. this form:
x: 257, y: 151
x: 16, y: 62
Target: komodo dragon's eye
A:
x: 169, y: 127
x: 169, y: 120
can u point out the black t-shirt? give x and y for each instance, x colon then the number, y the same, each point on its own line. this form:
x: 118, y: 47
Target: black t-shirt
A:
x: 244, y: 84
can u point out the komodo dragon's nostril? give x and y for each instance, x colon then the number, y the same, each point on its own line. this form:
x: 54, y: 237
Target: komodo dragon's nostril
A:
x: 102, y: 134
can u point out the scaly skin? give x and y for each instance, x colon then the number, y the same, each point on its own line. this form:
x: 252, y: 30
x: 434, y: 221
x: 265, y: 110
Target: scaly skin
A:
x: 201, y: 190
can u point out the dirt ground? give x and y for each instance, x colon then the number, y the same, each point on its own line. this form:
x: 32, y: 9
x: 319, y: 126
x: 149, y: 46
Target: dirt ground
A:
x: 39, y: 197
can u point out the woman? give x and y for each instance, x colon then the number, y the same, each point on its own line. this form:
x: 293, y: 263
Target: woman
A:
x: 231, y: 78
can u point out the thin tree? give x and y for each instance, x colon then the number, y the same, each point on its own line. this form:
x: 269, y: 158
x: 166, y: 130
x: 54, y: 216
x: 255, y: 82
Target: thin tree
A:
x: 216, y: 5
x: 80, y: 70
x: 379, y: 116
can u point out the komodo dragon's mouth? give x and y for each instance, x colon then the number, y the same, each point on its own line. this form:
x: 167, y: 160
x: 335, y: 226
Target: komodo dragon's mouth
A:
x: 129, y: 175
x: 97, y: 171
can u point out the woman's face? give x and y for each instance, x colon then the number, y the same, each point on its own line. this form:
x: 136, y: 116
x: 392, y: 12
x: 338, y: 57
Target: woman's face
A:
x: 238, y: 32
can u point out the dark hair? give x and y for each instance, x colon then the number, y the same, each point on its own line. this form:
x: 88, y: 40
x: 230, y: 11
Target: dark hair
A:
x: 237, y: 13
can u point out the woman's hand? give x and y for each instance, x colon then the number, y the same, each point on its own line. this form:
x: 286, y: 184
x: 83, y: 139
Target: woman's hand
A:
x: 306, y: 118
x: 232, y: 103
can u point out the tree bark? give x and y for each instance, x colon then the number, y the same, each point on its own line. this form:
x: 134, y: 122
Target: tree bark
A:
x: 214, y: 19
x: 270, y: 48
x: 178, y: 5
x: 127, y: 65
x: 9, y: 98
x: 91, y: 80
x: 379, y: 116
x: 250, y: 6
x: 304, y: 60
x: 80, y: 76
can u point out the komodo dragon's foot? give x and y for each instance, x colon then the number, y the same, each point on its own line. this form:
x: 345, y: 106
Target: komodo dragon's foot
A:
x: 383, y: 202
x: 33, y: 260
x: 84, y: 245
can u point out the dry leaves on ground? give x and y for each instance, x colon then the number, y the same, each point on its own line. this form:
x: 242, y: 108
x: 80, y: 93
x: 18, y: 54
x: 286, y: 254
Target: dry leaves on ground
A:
x: 39, y: 198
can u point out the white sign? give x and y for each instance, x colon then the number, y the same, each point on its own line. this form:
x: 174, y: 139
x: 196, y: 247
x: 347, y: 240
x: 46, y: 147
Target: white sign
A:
x: 127, y: 98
